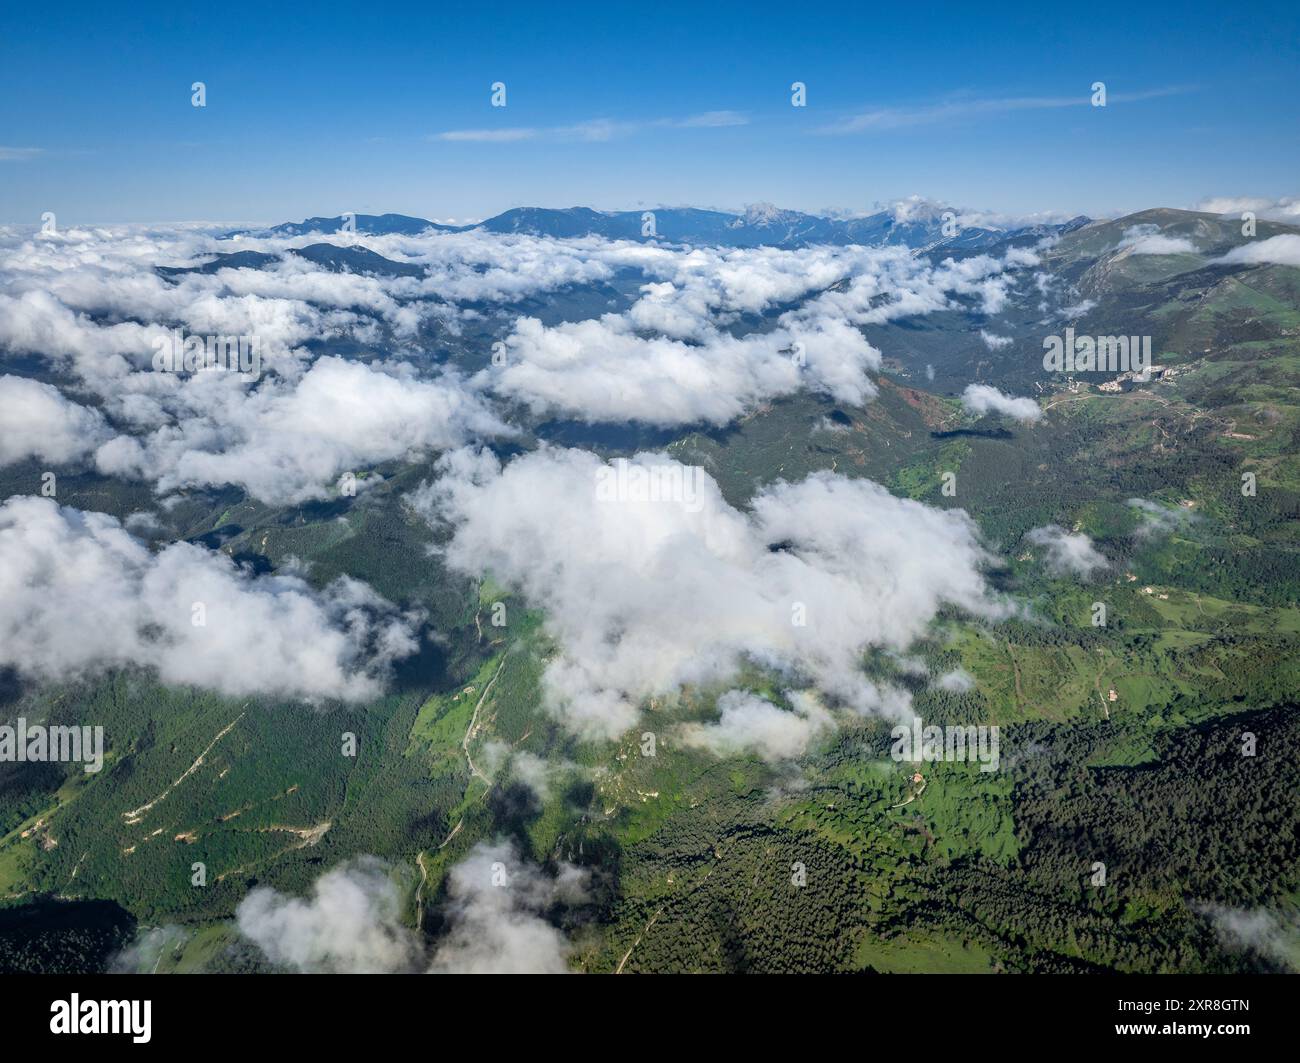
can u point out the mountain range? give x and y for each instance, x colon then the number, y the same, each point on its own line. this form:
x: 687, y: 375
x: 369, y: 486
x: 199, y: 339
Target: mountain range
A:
x: 760, y: 225
x: 1172, y: 502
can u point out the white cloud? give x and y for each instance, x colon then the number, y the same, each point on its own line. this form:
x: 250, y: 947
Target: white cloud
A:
x: 495, y: 903
x: 668, y: 361
x: 288, y: 443
x: 1068, y: 553
x: 1076, y: 310
x: 1274, y: 935
x: 958, y: 681
x: 645, y: 596
x: 1157, y: 519
x: 980, y: 399
x: 78, y: 593
x: 351, y: 924
x: 713, y: 120
x: 1284, y: 209
x: 595, y: 129
x: 536, y: 773
x: 91, y: 303
x: 968, y: 108
x: 603, y: 370
x: 489, y: 136
x: 1148, y: 240
x: 1278, y: 250
x: 36, y: 421
x: 994, y: 342
x: 143, y: 955
x: 750, y: 724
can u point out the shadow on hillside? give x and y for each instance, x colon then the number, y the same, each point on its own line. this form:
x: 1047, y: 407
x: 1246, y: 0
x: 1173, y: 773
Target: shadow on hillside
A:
x: 976, y: 433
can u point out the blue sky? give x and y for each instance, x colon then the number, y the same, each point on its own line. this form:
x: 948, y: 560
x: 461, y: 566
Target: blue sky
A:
x: 327, y: 108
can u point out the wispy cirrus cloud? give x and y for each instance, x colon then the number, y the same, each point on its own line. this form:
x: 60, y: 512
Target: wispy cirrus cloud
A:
x: 708, y: 120
x: 8, y: 154
x: 498, y: 136
x: 594, y: 130
x: 882, y: 119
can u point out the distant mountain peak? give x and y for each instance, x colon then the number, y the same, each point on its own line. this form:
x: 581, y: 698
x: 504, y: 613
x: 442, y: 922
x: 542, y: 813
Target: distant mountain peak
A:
x: 915, y: 223
x: 760, y: 214
x: 915, y: 210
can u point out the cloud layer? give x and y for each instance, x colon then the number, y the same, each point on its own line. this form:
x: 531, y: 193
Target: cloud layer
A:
x: 78, y: 594
x: 351, y: 921
x: 351, y: 924
x: 645, y: 594
x: 689, y: 347
x: 37, y: 421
